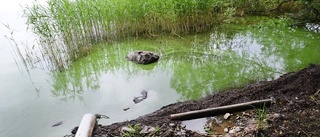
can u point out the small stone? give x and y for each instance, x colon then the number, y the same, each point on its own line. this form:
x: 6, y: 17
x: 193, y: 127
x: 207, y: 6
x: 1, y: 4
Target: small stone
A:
x: 237, y: 129
x: 125, y: 109
x: 264, y: 120
x: 228, y: 135
x: 74, y: 130
x: 218, y: 121
x: 172, y: 125
x: 145, y: 130
x: 183, y: 132
x: 232, y: 131
x: 126, y: 129
x: 58, y: 124
x: 152, y: 129
x: 241, y: 124
x: 208, y: 125
x: 226, y: 116
x: 246, y: 129
x: 178, y: 128
x: 183, y: 126
x: 246, y: 114
x: 226, y: 130
x: 276, y: 115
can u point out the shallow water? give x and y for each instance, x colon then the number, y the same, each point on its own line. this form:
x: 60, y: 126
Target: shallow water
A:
x: 105, y: 82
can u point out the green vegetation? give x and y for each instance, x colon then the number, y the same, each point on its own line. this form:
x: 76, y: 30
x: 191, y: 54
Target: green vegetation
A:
x: 208, y: 131
x: 262, y: 115
x: 135, y: 131
x: 68, y: 29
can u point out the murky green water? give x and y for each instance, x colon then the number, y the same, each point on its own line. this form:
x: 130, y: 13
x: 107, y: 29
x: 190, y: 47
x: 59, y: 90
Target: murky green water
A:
x: 196, y: 65
x: 105, y: 82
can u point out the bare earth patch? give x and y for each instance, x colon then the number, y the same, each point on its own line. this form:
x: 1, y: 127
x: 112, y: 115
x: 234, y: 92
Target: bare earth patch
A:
x: 294, y: 113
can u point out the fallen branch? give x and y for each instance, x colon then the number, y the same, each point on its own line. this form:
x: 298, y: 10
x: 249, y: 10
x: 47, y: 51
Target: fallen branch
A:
x: 220, y: 110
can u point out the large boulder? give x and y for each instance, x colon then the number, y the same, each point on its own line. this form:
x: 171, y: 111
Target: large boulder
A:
x: 143, y: 57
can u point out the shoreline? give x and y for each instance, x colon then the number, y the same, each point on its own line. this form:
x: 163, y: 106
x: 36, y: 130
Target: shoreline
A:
x: 296, y: 108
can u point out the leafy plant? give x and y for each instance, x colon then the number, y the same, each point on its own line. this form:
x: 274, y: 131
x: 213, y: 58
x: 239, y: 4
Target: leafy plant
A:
x: 133, y: 132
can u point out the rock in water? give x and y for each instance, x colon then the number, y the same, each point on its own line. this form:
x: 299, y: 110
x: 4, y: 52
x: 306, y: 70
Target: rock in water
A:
x: 58, y: 124
x: 143, y: 57
x: 137, y: 100
x: 144, y: 94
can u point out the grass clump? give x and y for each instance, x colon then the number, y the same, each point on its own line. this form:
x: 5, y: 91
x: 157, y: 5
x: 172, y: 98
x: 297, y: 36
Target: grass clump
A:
x: 138, y: 130
x: 262, y: 116
x: 133, y: 131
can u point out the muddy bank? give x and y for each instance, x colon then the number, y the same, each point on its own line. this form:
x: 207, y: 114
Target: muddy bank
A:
x: 297, y: 107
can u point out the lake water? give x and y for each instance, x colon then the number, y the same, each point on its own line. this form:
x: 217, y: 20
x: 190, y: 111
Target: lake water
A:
x: 104, y: 82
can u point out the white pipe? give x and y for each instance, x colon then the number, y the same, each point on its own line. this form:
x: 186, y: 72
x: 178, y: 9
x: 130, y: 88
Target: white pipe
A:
x: 86, y: 126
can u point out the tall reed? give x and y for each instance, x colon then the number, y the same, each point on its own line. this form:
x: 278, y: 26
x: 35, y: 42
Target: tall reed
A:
x: 68, y: 28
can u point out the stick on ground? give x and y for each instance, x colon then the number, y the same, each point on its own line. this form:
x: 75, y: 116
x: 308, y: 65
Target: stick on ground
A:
x: 220, y: 110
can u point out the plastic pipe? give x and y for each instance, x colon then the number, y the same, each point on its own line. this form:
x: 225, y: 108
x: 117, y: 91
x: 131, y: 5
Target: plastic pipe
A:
x: 86, y: 126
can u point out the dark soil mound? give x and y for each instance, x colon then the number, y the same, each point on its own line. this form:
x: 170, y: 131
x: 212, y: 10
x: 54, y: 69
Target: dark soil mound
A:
x: 297, y: 101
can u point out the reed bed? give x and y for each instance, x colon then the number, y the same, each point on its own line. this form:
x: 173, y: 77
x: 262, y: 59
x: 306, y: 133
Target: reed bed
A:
x: 69, y: 28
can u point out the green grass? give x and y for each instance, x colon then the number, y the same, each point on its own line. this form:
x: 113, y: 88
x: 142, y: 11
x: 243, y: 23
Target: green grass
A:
x: 262, y: 115
x: 133, y: 132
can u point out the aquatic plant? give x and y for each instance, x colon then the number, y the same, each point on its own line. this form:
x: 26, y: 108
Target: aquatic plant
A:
x: 69, y: 28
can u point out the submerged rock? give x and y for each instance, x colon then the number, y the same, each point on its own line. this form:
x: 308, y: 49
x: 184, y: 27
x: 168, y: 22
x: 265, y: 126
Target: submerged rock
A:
x: 57, y: 124
x: 125, y: 109
x: 144, y: 95
x: 143, y: 57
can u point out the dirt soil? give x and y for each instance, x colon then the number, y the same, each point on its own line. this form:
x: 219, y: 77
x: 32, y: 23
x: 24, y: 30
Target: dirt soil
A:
x: 294, y: 113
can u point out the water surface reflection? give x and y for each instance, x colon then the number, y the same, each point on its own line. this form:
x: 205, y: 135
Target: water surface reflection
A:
x: 195, y: 65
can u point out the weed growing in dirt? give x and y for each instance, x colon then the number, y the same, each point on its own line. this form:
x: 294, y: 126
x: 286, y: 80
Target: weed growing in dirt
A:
x: 262, y: 115
x: 133, y: 131
x: 208, y: 131
x: 157, y: 131
x: 139, y: 131
x: 315, y: 97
